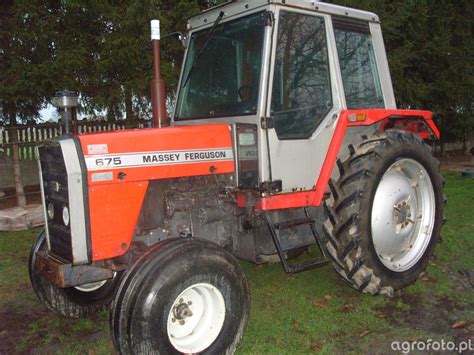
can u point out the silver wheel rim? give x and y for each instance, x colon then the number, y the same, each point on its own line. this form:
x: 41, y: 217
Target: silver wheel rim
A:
x: 93, y: 286
x: 403, y: 215
x: 196, y: 318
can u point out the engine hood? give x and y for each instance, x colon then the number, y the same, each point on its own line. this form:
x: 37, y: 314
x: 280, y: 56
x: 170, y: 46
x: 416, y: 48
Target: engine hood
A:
x: 151, y: 154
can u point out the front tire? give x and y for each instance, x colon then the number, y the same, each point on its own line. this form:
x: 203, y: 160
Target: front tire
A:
x: 181, y: 296
x: 71, y: 302
x: 385, y: 212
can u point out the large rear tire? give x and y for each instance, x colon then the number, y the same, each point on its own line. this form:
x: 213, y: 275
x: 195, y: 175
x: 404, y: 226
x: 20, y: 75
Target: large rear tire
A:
x: 72, y: 302
x: 181, y: 296
x: 385, y: 212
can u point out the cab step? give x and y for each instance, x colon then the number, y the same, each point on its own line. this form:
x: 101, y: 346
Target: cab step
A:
x: 275, y: 229
x: 293, y: 223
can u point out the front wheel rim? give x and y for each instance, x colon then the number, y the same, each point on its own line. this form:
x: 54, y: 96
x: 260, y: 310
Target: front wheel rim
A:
x: 403, y: 215
x: 91, y: 287
x: 94, y: 286
x: 196, y: 318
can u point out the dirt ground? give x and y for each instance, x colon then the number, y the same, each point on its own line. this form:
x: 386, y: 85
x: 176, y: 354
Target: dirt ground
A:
x: 437, y: 315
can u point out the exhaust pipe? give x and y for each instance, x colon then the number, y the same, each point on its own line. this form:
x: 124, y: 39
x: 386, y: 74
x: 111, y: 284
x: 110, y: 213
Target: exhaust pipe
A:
x: 158, y: 89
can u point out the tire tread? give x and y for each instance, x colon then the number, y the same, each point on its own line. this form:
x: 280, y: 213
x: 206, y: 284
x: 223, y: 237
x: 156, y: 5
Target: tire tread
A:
x: 356, y: 176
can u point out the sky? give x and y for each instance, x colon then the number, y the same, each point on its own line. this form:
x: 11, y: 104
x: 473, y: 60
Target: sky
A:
x: 49, y: 113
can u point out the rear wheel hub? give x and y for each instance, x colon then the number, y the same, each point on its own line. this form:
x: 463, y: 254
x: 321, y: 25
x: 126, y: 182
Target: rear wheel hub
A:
x: 403, y: 214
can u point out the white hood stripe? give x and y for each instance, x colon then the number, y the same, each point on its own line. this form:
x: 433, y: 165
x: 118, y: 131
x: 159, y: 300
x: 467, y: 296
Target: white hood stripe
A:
x: 147, y: 159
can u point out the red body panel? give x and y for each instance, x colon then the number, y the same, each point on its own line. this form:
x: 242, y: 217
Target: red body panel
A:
x: 315, y: 197
x: 172, y: 139
x: 117, y: 191
x: 115, y: 210
x: 376, y: 115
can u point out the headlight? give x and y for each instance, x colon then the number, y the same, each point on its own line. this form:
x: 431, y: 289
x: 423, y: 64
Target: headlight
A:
x: 66, y: 216
x: 50, y: 211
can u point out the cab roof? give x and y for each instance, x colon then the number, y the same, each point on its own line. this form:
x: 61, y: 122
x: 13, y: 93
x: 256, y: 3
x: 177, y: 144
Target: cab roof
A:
x: 237, y: 8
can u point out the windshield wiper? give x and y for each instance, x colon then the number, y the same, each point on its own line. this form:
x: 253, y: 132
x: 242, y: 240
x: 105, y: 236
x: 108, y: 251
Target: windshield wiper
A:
x: 206, y: 43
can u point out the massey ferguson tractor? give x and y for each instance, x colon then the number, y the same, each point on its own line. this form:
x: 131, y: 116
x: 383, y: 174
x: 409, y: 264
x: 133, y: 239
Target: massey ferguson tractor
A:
x: 285, y: 143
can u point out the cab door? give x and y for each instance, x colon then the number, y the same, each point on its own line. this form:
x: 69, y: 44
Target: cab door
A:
x: 304, y: 98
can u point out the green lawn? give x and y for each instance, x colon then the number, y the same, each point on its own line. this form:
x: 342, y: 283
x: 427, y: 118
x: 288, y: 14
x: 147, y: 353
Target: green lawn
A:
x: 309, y: 312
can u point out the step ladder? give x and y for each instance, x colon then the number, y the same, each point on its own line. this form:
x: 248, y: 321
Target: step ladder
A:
x: 275, y: 228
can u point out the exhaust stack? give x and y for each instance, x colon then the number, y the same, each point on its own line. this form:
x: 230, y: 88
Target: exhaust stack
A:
x: 158, y: 89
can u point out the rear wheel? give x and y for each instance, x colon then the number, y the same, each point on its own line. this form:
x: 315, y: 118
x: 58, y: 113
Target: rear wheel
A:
x: 181, y: 296
x: 385, y: 212
x: 73, y: 302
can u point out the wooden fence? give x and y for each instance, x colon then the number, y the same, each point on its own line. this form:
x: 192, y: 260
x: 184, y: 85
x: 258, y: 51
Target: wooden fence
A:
x: 28, y: 137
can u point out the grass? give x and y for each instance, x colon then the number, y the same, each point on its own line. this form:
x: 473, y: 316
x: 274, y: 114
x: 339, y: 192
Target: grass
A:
x: 309, y: 312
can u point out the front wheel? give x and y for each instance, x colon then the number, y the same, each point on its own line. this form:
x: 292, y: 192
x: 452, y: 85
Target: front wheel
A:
x: 385, y: 212
x: 181, y: 296
x: 72, y: 302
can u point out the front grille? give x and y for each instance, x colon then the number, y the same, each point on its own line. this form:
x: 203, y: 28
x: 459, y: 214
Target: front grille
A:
x: 55, y: 187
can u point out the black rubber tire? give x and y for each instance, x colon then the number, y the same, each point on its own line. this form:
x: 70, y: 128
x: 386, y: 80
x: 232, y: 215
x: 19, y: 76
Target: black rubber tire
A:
x: 138, y: 324
x: 68, y: 302
x: 349, y: 209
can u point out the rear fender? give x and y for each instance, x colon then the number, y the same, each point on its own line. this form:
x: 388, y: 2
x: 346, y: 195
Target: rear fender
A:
x: 418, y: 122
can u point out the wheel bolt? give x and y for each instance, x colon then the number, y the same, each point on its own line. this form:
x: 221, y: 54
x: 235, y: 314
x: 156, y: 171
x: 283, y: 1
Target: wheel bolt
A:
x: 190, y: 303
x: 173, y: 320
x: 181, y: 322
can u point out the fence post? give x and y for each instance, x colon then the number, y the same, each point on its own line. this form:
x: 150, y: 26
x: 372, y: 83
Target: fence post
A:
x: 20, y: 193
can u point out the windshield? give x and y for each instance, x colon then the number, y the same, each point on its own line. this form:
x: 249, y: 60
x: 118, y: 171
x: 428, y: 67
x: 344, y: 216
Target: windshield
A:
x: 224, y: 80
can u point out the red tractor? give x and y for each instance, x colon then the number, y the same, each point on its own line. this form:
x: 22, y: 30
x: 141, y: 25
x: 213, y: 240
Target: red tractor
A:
x: 285, y: 135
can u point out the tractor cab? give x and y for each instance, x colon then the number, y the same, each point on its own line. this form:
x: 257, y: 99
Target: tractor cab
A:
x: 281, y: 73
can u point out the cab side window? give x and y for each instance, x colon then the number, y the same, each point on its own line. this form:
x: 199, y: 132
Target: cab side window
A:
x: 301, y: 93
x: 358, y: 65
